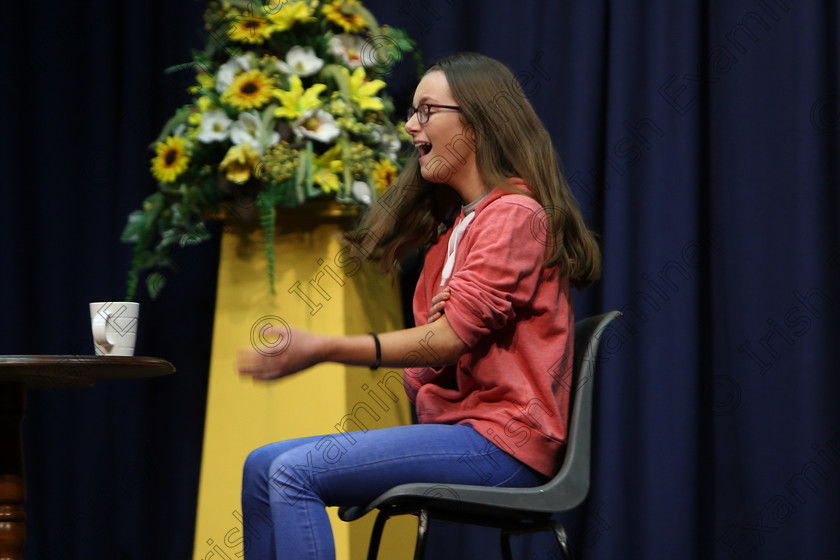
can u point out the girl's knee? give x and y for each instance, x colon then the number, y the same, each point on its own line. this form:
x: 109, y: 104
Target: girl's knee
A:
x: 274, y: 465
x: 257, y: 463
x: 282, y: 470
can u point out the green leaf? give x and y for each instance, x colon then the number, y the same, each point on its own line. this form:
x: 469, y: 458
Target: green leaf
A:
x: 309, y: 165
x: 304, y: 167
x: 347, y: 177
x: 155, y: 282
x: 268, y: 219
x: 267, y: 127
x: 244, y: 4
x: 179, y: 67
x: 142, y: 249
x: 197, y: 234
x: 135, y: 228
x: 336, y: 72
x: 180, y: 118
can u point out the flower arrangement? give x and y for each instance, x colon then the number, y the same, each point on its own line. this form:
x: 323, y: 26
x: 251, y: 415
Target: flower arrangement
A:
x: 287, y: 107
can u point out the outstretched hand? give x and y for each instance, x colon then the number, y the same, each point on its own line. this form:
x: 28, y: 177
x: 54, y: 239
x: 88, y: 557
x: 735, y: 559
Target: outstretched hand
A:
x: 291, y: 350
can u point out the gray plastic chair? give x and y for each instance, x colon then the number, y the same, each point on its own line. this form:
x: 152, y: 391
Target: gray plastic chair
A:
x: 513, y: 510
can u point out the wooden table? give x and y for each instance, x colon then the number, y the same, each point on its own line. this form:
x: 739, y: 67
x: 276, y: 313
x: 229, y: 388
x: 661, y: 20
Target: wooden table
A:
x: 19, y: 373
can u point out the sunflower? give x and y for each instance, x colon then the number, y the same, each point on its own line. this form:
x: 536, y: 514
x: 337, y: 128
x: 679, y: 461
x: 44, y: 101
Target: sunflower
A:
x: 171, y: 160
x: 384, y: 174
x: 249, y: 90
x: 251, y: 29
x: 347, y: 20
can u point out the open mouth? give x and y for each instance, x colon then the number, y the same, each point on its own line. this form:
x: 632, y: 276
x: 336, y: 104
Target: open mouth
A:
x: 423, y: 147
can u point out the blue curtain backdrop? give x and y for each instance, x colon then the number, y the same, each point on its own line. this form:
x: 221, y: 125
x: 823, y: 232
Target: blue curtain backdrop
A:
x: 702, y: 141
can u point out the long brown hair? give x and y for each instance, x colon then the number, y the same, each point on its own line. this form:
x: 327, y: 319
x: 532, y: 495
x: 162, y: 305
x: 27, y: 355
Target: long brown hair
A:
x: 510, y: 141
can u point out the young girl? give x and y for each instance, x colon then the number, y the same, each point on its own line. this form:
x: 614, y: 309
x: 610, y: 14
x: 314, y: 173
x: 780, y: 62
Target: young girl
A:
x: 488, y: 365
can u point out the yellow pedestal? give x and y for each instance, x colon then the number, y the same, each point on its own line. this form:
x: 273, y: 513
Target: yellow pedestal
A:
x: 319, y: 288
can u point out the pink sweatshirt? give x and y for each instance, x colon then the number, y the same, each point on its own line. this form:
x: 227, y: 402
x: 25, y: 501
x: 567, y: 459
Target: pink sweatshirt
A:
x: 516, y: 318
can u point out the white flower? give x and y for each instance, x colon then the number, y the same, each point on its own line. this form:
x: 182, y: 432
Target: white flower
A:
x: 248, y: 128
x: 215, y: 126
x: 348, y: 48
x: 388, y: 140
x: 301, y: 61
x: 391, y: 144
x: 318, y: 125
x: 227, y: 71
x: 361, y: 192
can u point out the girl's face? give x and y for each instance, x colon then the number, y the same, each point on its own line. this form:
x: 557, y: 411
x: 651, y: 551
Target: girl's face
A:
x: 446, y: 144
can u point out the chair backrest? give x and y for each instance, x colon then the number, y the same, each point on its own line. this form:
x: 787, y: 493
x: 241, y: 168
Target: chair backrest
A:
x: 572, y: 482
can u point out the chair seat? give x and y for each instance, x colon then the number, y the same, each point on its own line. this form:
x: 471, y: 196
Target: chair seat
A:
x: 442, y: 508
x: 487, y: 501
x: 477, y: 516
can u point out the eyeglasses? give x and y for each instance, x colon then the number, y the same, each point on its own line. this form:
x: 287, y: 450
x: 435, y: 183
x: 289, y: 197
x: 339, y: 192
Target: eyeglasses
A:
x: 423, y: 111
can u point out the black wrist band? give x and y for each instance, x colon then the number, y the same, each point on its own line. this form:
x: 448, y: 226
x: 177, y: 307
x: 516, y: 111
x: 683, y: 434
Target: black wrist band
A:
x: 378, y: 352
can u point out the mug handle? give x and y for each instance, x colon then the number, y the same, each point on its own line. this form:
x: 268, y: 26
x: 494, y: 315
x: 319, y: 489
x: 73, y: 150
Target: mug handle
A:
x: 100, y: 334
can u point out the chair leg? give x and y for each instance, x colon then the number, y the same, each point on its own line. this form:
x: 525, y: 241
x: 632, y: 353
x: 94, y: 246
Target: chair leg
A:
x: 422, y: 534
x: 376, y: 535
x: 505, y: 543
x: 562, y: 540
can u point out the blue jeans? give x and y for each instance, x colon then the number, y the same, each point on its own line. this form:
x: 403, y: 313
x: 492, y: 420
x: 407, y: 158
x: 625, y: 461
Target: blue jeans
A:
x: 286, y: 485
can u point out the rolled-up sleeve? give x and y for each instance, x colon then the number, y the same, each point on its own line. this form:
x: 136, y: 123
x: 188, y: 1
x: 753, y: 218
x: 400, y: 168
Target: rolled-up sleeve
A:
x: 498, y: 267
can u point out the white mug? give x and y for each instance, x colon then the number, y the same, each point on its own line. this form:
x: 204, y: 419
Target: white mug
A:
x: 114, y: 326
